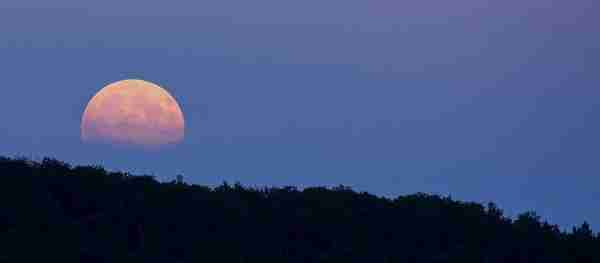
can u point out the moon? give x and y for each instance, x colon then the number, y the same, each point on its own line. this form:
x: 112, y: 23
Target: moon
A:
x: 133, y: 112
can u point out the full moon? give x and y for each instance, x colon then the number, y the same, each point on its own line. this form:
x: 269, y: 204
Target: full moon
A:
x: 133, y: 113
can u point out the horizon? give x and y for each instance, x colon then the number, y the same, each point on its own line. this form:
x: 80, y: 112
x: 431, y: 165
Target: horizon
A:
x: 175, y: 177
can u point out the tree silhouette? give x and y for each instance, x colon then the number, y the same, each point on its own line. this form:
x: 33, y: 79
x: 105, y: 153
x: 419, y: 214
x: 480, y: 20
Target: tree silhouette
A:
x: 50, y: 210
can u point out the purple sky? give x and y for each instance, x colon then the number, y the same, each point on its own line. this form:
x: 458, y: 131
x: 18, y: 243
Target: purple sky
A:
x: 484, y: 100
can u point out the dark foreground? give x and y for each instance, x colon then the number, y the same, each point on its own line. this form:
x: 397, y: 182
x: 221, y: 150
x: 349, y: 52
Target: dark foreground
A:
x: 52, y: 212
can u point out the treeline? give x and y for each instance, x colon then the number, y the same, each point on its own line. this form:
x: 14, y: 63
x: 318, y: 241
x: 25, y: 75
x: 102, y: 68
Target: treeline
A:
x: 51, y: 211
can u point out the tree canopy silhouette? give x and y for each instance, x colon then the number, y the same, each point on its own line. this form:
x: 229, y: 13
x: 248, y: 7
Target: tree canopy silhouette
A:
x: 52, y: 211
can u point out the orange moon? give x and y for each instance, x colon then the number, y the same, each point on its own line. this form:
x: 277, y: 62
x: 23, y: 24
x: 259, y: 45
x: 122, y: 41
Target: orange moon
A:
x: 134, y: 113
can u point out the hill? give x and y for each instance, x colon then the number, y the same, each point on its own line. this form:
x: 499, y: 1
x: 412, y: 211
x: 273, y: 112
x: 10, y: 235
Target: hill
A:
x: 52, y: 211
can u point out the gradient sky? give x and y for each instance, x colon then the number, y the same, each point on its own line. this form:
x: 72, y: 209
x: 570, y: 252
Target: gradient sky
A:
x: 483, y: 100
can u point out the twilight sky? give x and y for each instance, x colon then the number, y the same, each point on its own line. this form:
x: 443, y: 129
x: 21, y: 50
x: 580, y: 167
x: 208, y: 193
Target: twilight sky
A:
x: 485, y: 100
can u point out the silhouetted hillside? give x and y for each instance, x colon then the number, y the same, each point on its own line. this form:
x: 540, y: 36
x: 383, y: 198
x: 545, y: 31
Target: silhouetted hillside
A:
x: 52, y: 212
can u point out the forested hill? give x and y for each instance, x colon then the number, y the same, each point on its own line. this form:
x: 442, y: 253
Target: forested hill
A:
x: 53, y: 212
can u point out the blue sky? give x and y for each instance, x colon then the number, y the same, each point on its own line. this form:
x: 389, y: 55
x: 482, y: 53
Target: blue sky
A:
x: 483, y: 100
